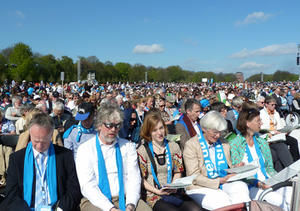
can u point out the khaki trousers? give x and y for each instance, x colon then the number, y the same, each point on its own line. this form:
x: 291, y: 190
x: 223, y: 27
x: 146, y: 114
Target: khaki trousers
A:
x: 5, y: 152
x: 86, y: 205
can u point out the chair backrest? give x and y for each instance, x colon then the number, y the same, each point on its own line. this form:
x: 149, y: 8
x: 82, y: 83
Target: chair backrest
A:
x: 9, y: 140
x: 295, y: 205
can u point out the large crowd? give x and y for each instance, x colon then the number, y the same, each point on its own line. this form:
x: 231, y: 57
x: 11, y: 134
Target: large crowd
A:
x: 117, y: 146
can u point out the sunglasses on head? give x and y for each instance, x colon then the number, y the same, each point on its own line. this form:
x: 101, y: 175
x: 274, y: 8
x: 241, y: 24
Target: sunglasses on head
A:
x: 112, y: 125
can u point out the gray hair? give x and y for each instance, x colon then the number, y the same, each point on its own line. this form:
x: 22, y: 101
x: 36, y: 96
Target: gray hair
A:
x: 188, y: 105
x: 42, y: 120
x: 25, y: 107
x: 109, y: 111
x: 260, y: 98
x: 213, y: 120
x: 237, y: 101
x: 15, y: 99
x: 119, y: 97
x: 58, y: 106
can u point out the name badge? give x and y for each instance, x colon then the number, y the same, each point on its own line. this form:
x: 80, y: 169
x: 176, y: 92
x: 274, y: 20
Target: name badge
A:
x: 44, y: 208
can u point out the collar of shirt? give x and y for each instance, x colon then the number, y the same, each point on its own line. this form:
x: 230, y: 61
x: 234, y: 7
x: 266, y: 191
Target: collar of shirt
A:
x: 35, y: 153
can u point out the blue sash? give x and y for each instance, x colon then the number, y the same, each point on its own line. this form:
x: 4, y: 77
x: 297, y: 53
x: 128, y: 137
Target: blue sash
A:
x: 169, y: 163
x: 103, y: 179
x: 29, y: 174
x: 81, y: 130
x: 220, y: 158
x: 260, y: 157
x: 236, y: 114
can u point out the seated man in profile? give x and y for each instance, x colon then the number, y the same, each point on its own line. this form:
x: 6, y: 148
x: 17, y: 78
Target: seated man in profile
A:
x: 41, y: 176
x: 107, y: 167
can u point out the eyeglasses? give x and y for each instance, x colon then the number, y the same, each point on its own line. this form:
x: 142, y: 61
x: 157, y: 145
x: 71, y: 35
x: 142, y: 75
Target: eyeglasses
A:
x: 112, y: 125
x: 216, y: 133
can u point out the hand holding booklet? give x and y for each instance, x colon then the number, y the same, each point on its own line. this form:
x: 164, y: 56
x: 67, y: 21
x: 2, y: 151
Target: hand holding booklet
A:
x: 180, y: 182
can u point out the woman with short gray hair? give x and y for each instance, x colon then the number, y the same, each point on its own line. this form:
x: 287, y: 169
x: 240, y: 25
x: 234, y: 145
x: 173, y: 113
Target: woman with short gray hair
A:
x: 207, y: 158
x: 213, y: 121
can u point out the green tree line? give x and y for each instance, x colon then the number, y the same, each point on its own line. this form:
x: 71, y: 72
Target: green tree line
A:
x: 20, y: 63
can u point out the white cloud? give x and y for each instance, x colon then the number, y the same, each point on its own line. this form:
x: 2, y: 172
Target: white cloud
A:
x: 254, y: 17
x: 20, y: 14
x: 148, y: 49
x: 252, y: 66
x: 271, y: 50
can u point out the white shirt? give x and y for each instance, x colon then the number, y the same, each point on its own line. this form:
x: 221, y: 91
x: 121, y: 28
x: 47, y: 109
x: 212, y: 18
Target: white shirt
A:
x: 195, y: 125
x: 265, y: 119
x: 87, y: 171
x: 260, y: 175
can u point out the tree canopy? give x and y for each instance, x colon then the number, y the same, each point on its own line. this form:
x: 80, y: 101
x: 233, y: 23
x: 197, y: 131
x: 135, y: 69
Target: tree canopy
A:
x: 19, y: 62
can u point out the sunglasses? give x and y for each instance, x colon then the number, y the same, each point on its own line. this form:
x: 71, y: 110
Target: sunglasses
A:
x: 162, y: 106
x: 132, y: 119
x: 112, y: 125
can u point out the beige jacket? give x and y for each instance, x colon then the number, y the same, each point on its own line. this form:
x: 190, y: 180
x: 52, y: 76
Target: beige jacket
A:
x: 194, y: 164
x: 24, y: 139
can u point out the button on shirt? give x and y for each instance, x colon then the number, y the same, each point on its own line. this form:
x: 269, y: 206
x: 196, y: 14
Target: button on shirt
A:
x: 87, y: 171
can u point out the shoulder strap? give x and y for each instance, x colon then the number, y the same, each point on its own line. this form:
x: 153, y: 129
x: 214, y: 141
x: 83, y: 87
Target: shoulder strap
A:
x: 151, y: 160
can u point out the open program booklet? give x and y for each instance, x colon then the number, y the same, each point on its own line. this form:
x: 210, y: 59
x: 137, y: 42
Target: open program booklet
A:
x: 242, y: 172
x: 180, y: 182
x: 285, y: 174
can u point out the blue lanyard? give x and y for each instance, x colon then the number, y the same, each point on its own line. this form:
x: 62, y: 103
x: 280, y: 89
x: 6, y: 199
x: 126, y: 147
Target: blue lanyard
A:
x: 43, y: 181
x: 169, y: 164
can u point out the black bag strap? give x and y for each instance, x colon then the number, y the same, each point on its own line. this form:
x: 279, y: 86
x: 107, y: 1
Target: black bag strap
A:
x: 151, y: 160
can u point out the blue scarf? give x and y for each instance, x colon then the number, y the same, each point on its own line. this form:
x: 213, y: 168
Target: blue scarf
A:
x: 169, y: 163
x: 103, y: 179
x: 236, y: 114
x: 220, y: 159
x: 81, y: 130
x: 29, y: 174
x: 260, y: 157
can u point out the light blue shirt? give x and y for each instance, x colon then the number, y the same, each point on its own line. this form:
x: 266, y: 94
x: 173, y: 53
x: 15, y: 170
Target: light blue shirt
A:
x: 71, y: 142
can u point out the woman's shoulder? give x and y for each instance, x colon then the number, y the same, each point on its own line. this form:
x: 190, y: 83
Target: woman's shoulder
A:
x: 141, y: 149
x: 192, y: 141
x: 174, y: 147
x: 237, y: 140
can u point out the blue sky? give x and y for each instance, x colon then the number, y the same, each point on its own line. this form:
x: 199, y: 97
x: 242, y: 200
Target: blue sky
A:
x: 249, y: 36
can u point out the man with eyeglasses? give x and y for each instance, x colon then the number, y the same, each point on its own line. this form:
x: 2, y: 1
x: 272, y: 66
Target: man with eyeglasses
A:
x: 107, y: 166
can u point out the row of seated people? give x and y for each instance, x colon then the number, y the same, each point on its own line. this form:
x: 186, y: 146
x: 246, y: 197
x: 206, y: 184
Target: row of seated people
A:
x: 108, y: 168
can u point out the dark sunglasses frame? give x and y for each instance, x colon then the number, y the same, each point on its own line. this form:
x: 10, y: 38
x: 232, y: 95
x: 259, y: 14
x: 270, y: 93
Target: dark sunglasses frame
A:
x: 112, y: 125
